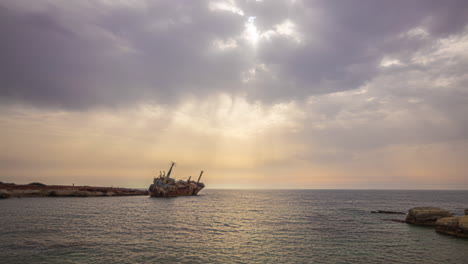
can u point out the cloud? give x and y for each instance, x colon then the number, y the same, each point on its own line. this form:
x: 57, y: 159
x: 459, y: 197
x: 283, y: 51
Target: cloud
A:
x: 408, y: 123
x: 81, y: 55
x: 118, y: 55
x: 345, y: 94
x: 222, y: 134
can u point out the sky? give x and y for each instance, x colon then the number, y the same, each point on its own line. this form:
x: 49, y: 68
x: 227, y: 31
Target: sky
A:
x: 356, y: 94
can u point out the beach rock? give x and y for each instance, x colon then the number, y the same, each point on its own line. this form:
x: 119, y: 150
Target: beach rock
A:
x: 37, y: 184
x: 396, y: 220
x: 386, y: 212
x: 455, y: 226
x: 31, y: 193
x: 466, y: 211
x: 82, y: 194
x: 426, y: 216
x: 463, y: 223
x: 4, y: 194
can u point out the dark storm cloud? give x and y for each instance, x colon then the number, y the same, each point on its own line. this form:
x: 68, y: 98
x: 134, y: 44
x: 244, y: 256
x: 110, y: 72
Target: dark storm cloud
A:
x: 120, y: 56
x: 110, y: 54
x: 345, y: 41
x: 44, y: 62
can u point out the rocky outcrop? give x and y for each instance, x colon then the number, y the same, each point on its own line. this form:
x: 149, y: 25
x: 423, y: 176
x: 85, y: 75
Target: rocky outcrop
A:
x: 426, y: 216
x: 4, y: 194
x: 37, y: 184
x: 395, y: 220
x: 386, y: 212
x: 41, y: 190
x: 455, y: 226
x: 466, y: 211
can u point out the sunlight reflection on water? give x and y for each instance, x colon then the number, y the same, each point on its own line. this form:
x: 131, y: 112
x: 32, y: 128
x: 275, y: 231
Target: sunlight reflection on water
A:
x: 228, y: 226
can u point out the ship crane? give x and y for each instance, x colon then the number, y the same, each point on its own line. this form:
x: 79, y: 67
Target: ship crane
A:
x: 164, y: 186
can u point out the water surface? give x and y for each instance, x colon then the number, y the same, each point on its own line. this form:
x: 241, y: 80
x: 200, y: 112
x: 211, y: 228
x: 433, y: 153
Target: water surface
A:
x: 229, y: 226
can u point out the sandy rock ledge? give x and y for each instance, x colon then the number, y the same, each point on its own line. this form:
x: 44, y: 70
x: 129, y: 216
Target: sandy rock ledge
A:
x: 455, y: 226
x: 426, y: 216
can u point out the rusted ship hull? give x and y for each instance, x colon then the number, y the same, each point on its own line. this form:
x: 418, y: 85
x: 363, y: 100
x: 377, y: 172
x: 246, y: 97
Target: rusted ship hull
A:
x: 165, y: 186
x: 167, y: 191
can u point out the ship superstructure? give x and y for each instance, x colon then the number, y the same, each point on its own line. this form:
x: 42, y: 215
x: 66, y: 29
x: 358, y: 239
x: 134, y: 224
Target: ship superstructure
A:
x: 165, y: 186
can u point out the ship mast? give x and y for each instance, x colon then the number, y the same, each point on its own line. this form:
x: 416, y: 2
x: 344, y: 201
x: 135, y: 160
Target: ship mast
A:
x: 170, y: 170
x: 201, y: 173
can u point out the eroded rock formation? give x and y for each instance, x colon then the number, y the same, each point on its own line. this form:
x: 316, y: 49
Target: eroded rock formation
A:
x: 386, y: 212
x: 426, y: 216
x: 455, y: 226
x: 8, y: 190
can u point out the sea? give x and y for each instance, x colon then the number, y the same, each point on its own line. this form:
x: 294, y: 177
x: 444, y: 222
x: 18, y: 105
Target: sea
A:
x: 229, y: 226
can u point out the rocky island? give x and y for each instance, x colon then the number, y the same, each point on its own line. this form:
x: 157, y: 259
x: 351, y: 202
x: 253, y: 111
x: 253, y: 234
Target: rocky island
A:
x: 426, y: 216
x: 443, y: 220
x: 35, y: 189
x: 455, y: 226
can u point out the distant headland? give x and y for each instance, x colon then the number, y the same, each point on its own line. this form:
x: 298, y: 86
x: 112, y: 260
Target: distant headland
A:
x: 36, y: 189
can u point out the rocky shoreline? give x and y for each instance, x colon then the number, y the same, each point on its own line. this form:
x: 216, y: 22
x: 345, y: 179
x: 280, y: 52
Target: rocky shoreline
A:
x: 442, y: 220
x: 426, y: 216
x: 10, y: 190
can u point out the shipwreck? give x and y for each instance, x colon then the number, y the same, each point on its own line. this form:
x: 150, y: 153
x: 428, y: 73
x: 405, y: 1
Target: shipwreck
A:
x: 165, y: 186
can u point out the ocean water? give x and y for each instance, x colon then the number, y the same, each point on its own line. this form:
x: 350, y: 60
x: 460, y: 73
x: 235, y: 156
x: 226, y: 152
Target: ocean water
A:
x: 229, y: 226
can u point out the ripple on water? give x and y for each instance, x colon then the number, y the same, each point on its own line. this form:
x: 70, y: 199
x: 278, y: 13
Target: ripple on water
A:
x: 227, y: 226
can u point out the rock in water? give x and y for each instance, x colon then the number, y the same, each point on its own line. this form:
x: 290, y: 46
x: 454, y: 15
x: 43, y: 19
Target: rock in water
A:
x: 4, y: 194
x: 386, y: 212
x: 463, y: 223
x: 426, y: 215
x: 396, y: 220
x: 466, y: 211
x: 455, y: 226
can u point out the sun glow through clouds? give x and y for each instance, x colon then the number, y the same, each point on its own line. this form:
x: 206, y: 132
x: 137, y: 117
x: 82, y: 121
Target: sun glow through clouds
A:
x: 251, y: 32
x: 338, y: 95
